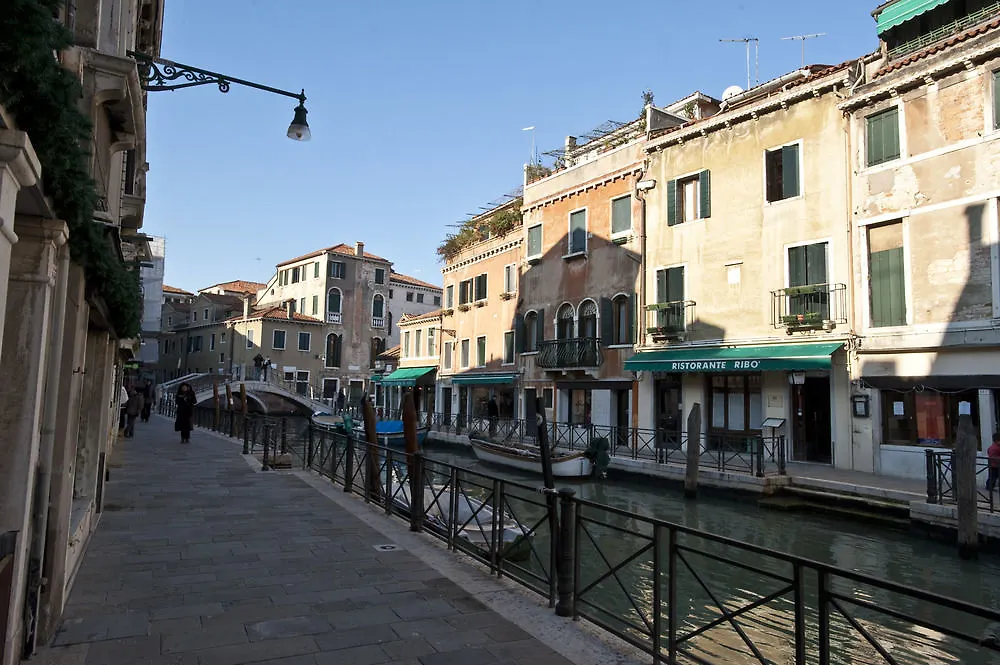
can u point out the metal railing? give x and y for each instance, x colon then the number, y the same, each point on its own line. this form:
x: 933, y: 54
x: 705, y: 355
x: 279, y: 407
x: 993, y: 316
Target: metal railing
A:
x: 944, y: 31
x: 812, y: 307
x: 665, y: 588
x: 334, y: 317
x: 570, y: 353
x: 378, y: 322
x: 666, y: 320
x: 941, y: 480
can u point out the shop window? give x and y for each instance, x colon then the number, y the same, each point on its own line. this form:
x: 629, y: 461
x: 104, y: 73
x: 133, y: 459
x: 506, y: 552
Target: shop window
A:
x: 735, y: 402
x: 926, y: 418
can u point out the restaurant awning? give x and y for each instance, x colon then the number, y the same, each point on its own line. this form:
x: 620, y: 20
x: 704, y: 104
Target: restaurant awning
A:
x: 406, y: 376
x: 480, y: 379
x: 736, y: 359
x: 902, y: 11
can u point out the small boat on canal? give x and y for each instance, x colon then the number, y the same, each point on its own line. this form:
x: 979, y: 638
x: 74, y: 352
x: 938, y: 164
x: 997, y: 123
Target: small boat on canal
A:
x: 389, y: 433
x: 574, y: 464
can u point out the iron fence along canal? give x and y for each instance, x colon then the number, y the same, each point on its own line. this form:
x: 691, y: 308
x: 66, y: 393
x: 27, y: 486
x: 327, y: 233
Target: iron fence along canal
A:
x: 679, y: 594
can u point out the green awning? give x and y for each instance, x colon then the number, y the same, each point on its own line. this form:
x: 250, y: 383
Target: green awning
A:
x: 736, y: 359
x: 406, y: 376
x: 377, y: 378
x: 482, y: 379
x: 902, y: 11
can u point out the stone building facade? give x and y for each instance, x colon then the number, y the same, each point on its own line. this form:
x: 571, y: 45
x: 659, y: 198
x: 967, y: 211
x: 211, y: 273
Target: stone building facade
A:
x: 60, y: 352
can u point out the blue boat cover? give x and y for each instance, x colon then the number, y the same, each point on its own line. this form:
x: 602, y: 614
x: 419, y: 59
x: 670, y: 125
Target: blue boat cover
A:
x: 389, y: 427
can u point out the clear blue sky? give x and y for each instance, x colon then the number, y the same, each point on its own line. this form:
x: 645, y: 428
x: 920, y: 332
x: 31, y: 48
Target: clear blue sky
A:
x: 416, y: 110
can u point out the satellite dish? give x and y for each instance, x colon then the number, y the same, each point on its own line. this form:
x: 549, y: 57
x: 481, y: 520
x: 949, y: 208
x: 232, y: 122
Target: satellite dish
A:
x: 731, y: 91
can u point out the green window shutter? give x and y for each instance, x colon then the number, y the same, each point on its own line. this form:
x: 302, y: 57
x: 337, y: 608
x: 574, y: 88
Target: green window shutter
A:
x: 816, y: 263
x: 888, y: 288
x: 705, y: 192
x: 883, y: 136
x: 996, y: 99
x: 519, y: 334
x: 607, y: 322
x: 539, y: 328
x: 661, y: 286
x: 632, y: 316
x: 672, y: 217
x: 675, y: 284
x: 790, y: 171
x: 797, y: 266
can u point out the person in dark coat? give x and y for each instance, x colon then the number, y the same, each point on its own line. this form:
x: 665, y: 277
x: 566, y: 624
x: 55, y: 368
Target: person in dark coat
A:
x: 341, y: 400
x: 133, y: 408
x: 147, y: 400
x: 185, y: 412
x: 493, y: 411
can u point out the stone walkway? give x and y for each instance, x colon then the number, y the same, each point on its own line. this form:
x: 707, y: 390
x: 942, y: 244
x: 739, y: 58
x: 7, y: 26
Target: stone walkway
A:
x: 200, y: 560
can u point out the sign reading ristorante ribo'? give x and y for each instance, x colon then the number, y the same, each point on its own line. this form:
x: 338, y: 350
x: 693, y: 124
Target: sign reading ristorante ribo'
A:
x: 714, y: 365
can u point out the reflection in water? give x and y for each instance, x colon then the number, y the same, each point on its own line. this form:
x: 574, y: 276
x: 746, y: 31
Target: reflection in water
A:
x: 624, y: 600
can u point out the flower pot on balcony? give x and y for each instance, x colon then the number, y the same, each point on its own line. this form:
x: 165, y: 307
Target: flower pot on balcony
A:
x: 506, y: 295
x: 463, y: 308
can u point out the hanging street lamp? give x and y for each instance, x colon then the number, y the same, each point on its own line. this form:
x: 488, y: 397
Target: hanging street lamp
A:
x: 157, y: 74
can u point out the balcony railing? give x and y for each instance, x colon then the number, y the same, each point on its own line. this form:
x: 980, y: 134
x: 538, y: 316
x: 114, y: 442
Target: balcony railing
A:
x: 378, y: 322
x: 579, y: 352
x: 669, y: 320
x: 334, y: 317
x: 811, y: 307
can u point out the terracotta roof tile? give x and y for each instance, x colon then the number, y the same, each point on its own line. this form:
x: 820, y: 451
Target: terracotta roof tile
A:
x: 346, y: 250
x: 412, y: 281
x: 276, y: 314
x: 391, y: 353
x: 174, y: 289
x: 239, y: 285
x: 412, y: 318
x: 981, y: 29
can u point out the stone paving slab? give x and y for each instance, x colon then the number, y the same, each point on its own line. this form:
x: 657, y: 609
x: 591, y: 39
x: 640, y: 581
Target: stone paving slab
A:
x: 204, y: 561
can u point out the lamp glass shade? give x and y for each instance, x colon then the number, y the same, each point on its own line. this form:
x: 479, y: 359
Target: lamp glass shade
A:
x: 299, y: 129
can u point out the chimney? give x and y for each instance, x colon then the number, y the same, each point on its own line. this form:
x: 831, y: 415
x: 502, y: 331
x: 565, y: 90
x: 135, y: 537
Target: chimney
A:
x: 359, y: 249
x: 246, y: 306
x: 569, y: 148
x: 289, y: 304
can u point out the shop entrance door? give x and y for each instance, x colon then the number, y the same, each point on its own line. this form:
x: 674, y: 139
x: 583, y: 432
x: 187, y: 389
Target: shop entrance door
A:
x: 813, y: 431
x: 668, y: 413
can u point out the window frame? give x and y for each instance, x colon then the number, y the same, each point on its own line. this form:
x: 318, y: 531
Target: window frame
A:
x: 341, y: 269
x: 315, y: 303
x: 379, y: 272
x: 896, y: 107
x: 376, y: 297
x: 308, y: 339
x: 211, y: 342
x: 406, y: 343
x: 806, y: 243
x: 475, y: 287
x: 799, y: 144
x: 420, y: 298
x: 617, y: 321
x: 465, y: 353
x: 531, y: 337
x: 508, y: 341
x: 907, y: 272
x: 485, y: 349
x: 447, y: 352
x: 611, y: 217
x: 541, y: 241
x: 431, y: 343
x: 249, y: 338
x: 510, y: 278
x: 570, y: 251
x: 449, y: 296
x: 284, y: 339
x: 340, y: 300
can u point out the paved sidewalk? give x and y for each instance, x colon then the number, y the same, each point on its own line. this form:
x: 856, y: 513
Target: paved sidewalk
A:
x: 200, y: 560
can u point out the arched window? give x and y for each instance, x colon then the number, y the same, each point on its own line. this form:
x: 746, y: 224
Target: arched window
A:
x: 334, y: 343
x: 378, y: 306
x: 622, y: 320
x: 333, y: 301
x: 531, y: 332
x: 564, y: 322
x: 586, y: 325
x: 378, y: 348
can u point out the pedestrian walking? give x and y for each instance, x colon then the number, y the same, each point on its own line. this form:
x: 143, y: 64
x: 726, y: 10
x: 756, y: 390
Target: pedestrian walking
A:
x: 133, y: 409
x: 258, y: 367
x: 185, y: 412
x: 147, y: 400
x: 123, y: 395
x: 493, y: 410
x: 993, y: 472
x: 341, y: 400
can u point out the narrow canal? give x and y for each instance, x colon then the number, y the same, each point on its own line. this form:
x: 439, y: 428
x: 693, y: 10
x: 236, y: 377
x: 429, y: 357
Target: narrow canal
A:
x: 885, y: 553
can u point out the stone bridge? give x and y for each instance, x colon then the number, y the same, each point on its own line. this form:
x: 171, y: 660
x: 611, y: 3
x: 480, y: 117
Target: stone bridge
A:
x: 262, y: 396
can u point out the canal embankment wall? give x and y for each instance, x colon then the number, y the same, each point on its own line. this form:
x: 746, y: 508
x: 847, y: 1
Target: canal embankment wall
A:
x: 850, y: 499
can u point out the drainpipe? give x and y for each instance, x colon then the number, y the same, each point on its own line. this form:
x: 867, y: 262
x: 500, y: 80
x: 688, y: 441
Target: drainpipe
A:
x: 849, y: 197
x: 43, y: 481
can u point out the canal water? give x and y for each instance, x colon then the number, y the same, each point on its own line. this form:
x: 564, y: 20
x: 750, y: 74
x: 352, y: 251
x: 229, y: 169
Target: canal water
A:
x: 882, y: 552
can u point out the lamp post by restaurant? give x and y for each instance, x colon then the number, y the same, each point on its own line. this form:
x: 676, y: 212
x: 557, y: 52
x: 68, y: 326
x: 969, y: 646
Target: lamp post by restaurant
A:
x: 157, y: 75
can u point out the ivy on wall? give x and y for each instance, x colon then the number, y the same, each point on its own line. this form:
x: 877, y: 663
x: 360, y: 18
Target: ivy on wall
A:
x: 44, y: 99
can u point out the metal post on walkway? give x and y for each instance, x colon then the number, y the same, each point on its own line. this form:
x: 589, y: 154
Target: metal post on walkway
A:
x: 246, y: 437
x: 932, y: 491
x: 284, y: 439
x: 349, y: 462
x: 564, y: 582
x: 309, y: 448
x: 267, y: 435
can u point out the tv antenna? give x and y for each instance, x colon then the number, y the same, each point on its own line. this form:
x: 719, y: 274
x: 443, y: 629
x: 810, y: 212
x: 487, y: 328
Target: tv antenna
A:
x: 756, y: 50
x: 802, y: 39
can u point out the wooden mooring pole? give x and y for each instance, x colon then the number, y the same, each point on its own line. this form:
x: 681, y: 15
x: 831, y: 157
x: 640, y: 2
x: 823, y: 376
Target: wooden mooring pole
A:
x: 693, y: 451
x: 966, y: 495
x: 372, y: 485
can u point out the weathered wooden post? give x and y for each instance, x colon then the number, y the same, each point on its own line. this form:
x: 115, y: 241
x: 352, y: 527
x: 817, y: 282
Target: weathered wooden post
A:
x: 229, y: 410
x: 414, y: 463
x: 693, y: 451
x: 551, y: 499
x: 372, y: 485
x: 215, y: 406
x: 243, y: 409
x: 966, y: 495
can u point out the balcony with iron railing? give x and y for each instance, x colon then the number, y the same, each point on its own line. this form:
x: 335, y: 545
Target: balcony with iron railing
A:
x: 669, y: 320
x: 378, y: 322
x: 811, y: 307
x: 334, y: 317
x: 575, y: 353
